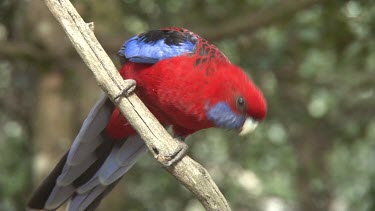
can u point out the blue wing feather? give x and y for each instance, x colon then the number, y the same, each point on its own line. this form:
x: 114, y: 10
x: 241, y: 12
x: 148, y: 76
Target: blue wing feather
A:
x: 157, y: 45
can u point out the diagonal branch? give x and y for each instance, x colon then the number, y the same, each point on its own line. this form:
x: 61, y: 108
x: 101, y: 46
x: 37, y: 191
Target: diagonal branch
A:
x: 188, y: 172
x: 22, y: 50
x: 251, y: 22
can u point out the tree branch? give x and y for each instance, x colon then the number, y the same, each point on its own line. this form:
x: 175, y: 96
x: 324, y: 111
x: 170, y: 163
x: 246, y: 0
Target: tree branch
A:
x: 251, y: 22
x: 22, y: 50
x: 187, y: 171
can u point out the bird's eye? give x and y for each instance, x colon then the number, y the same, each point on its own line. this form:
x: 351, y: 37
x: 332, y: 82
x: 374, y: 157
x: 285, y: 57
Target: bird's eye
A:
x: 241, y: 105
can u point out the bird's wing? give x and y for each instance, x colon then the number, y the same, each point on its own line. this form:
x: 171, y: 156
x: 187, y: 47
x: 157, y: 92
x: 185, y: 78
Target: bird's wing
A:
x: 155, y: 45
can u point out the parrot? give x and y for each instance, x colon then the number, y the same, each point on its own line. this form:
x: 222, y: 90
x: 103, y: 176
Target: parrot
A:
x: 187, y: 83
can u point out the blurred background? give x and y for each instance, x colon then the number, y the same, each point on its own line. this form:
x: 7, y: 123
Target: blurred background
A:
x: 314, y: 60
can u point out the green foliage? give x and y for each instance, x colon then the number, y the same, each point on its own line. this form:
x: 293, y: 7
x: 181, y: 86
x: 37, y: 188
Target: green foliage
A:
x: 15, y: 174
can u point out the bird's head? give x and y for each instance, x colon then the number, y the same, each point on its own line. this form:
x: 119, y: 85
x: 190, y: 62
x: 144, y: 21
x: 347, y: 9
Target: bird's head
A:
x: 236, y: 103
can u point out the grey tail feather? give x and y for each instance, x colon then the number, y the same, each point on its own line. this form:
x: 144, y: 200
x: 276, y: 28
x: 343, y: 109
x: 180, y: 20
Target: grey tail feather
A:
x: 89, y: 200
x: 97, y: 201
x: 40, y: 196
x: 89, y: 193
x: 92, y: 166
x: 42, y: 193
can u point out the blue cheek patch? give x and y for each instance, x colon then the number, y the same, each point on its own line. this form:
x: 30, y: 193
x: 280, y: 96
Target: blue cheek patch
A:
x: 223, y: 116
x: 139, y: 51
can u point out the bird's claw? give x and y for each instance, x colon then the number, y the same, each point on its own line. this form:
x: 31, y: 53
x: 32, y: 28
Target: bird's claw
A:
x: 175, y: 156
x: 130, y: 86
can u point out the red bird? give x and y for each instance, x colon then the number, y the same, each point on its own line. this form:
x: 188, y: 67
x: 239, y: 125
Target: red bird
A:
x: 186, y: 82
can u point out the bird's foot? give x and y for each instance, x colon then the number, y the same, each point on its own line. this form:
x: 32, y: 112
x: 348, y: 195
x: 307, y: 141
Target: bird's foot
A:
x: 171, y: 159
x: 130, y: 86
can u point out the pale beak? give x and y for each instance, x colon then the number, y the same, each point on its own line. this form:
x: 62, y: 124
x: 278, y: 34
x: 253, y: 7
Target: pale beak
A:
x: 248, y: 126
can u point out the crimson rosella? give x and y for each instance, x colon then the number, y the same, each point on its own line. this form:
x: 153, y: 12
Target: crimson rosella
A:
x: 186, y: 82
